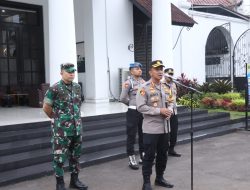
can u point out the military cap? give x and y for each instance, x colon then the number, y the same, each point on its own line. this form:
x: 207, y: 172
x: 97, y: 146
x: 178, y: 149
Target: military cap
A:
x: 68, y: 67
x: 156, y: 63
x: 169, y: 71
x: 135, y: 64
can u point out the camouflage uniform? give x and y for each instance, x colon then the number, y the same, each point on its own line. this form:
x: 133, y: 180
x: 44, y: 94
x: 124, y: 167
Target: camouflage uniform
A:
x: 66, y: 124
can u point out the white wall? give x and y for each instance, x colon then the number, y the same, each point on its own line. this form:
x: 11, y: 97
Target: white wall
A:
x: 62, y: 42
x: 79, y: 29
x: 244, y: 8
x: 189, y: 57
x: 44, y: 4
x: 120, y: 34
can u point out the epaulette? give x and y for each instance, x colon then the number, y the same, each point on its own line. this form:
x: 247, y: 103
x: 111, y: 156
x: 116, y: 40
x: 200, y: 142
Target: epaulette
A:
x: 147, y: 83
x: 55, y: 85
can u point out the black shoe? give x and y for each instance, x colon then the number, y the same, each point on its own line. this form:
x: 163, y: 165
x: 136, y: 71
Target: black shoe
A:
x: 60, y: 187
x: 75, y: 183
x: 60, y: 183
x: 146, y: 186
x: 173, y: 153
x: 160, y: 181
x: 132, y: 163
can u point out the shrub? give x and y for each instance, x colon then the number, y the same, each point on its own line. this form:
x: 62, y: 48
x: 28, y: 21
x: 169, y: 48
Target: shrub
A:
x: 218, y: 103
x: 186, y: 100
x: 231, y: 96
x: 208, y: 102
x: 243, y: 94
x: 186, y: 81
x: 225, y: 104
x: 205, y: 87
x: 237, y: 105
x: 213, y: 95
x: 221, y: 86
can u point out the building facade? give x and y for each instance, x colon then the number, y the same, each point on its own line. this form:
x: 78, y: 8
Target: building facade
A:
x: 102, y: 37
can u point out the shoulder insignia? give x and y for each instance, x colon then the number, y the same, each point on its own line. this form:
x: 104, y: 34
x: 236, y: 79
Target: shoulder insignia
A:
x: 142, y: 91
x: 126, y: 85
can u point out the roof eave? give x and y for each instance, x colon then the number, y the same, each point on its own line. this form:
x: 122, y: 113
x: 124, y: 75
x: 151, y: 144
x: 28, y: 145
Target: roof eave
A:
x: 224, y: 8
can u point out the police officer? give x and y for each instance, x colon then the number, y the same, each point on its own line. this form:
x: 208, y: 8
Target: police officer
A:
x: 133, y: 117
x: 172, y: 93
x: 62, y: 104
x: 151, y: 100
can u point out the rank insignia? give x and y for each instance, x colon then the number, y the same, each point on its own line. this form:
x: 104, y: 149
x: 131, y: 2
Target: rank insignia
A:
x: 142, y: 92
x: 152, y: 91
x: 126, y: 85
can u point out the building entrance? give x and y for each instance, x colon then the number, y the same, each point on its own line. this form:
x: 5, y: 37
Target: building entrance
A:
x: 21, y: 48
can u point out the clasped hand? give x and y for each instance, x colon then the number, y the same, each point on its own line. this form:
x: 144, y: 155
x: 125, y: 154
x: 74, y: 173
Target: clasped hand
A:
x: 166, y: 113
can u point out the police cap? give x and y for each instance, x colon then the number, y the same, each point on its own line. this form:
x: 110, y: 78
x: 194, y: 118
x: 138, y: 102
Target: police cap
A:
x: 169, y: 71
x: 135, y: 64
x: 156, y: 63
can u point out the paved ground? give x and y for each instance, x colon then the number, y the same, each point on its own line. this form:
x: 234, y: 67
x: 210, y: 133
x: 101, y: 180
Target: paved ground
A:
x: 220, y: 163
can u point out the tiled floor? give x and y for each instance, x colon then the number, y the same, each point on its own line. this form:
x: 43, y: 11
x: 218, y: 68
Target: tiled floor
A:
x: 22, y: 114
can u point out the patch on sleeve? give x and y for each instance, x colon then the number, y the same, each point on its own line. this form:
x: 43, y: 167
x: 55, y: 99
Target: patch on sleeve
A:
x: 125, y: 85
x: 49, y: 95
x: 142, y: 92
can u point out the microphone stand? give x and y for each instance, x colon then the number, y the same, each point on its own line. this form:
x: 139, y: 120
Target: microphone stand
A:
x: 192, y: 91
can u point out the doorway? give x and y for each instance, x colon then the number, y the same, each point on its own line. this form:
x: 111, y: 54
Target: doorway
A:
x: 21, y: 47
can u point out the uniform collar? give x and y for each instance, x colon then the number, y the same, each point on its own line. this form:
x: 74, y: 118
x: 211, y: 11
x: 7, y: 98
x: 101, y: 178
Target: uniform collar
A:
x: 157, y: 86
x: 66, y: 86
x: 133, y: 78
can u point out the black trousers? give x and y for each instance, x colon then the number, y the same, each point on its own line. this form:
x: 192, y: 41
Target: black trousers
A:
x: 134, y: 124
x: 154, y: 144
x: 173, y: 131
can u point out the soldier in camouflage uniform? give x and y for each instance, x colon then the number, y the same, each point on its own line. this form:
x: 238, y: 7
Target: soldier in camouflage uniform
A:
x: 172, y: 93
x: 62, y: 104
x: 133, y: 117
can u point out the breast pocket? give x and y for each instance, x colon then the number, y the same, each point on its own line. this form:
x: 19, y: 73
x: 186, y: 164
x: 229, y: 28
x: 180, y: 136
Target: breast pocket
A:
x: 134, y: 91
x: 154, y: 100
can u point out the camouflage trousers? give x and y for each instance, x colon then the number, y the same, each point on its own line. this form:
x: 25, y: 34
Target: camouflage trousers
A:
x: 63, y: 148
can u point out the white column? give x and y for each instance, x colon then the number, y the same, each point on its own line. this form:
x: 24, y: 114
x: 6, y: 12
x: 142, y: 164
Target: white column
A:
x: 162, y: 32
x: 249, y: 40
x: 62, y: 42
x: 95, y: 51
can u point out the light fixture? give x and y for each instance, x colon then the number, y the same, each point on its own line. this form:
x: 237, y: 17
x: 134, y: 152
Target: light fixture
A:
x: 131, y: 47
x: 3, y: 11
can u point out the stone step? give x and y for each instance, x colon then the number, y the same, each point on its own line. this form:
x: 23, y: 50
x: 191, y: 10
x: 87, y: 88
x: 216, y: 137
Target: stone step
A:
x: 38, y: 170
x: 12, y: 146
x: 211, y: 132
x: 92, y: 144
x: 89, y: 123
x: 32, y: 133
x: 23, y: 159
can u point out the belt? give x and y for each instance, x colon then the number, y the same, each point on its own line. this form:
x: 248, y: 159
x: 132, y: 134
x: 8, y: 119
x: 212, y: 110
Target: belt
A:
x: 132, y: 107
